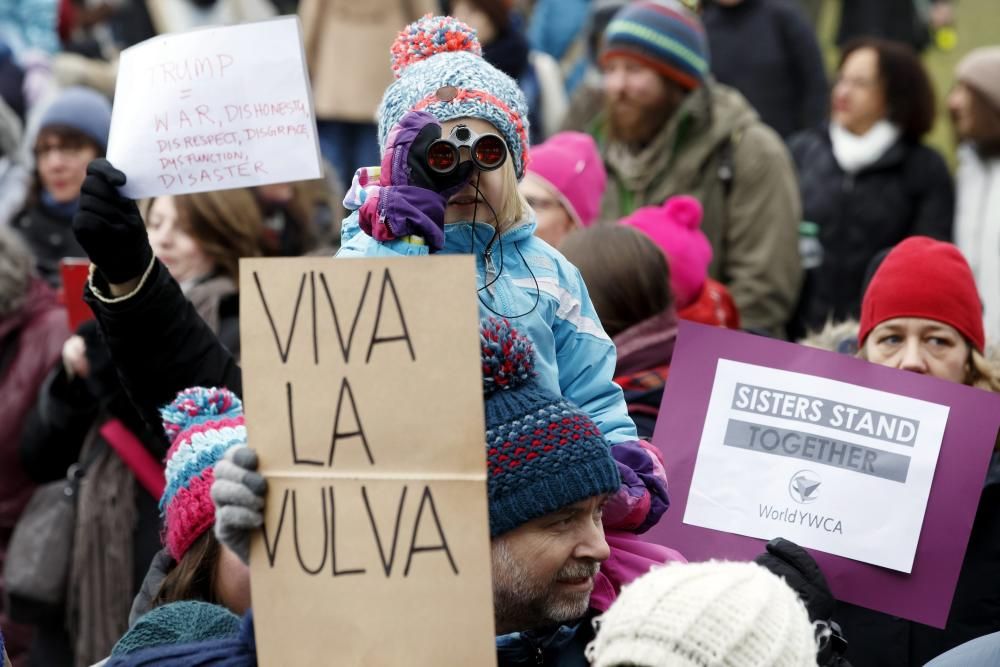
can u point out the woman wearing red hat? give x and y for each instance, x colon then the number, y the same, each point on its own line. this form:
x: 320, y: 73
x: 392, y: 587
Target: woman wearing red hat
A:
x: 922, y: 313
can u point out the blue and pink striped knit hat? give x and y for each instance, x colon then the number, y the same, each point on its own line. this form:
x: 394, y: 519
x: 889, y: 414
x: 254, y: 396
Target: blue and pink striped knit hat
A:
x: 439, y: 69
x: 542, y: 452
x: 664, y: 35
x: 201, y: 425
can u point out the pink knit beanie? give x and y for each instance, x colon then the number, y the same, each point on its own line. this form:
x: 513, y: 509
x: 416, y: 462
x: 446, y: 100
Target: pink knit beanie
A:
x: 201, y: 425
x: 571, y: 166
x: 675, y: 228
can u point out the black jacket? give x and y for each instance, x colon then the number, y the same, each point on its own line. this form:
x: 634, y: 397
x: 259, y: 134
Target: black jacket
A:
x: 767, y: 51
x: 880, y: 640
x: 50, y: 237
x: 161, y: 345
x: 897, y: 20
x: 907, y: 192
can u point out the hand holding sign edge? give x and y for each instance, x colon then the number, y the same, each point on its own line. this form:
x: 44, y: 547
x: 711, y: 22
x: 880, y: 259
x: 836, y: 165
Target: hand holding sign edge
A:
x: 110, y: 227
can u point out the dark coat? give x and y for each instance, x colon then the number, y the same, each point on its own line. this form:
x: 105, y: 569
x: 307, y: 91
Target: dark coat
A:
x: 31, y: 341
x: 766, y: 50
x: 906, y: 192
x: 161, y: 345
x: 879, y: 640
x: 50, y: 237
x: 897, y: 20
x: 561, y: 647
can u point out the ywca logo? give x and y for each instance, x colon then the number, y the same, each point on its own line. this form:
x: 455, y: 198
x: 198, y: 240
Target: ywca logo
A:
x: 804, y: 487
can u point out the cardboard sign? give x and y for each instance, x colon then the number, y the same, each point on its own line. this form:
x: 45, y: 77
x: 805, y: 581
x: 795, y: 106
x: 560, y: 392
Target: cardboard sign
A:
x: 214, y: 108
x: 765, y: 439
x: 363, y: 396
x: 75, y: 273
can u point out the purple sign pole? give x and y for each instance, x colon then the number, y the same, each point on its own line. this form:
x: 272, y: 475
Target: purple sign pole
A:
x: 925, y: 594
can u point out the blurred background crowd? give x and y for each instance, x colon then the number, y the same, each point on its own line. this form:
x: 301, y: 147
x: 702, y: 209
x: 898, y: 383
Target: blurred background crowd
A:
x: 752, y: 177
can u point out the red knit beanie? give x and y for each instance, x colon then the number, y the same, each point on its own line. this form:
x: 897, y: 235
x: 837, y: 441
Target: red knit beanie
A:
x: 929, y: 279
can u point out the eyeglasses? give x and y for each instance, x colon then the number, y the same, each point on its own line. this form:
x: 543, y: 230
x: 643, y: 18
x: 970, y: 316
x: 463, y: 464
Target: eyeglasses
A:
x: 67, y: 150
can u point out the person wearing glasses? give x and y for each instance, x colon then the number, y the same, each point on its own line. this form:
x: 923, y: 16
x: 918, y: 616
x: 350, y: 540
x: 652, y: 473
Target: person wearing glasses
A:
x: 73, y: 131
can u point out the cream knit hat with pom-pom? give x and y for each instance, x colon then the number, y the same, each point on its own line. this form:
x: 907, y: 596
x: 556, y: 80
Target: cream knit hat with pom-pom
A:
x: 714, y: 614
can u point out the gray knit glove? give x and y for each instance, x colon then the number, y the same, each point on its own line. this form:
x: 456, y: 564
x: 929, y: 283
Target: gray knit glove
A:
x: 238, y: 493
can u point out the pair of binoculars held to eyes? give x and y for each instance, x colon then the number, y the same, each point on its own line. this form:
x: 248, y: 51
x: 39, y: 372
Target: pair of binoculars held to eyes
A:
x: 487, y: 151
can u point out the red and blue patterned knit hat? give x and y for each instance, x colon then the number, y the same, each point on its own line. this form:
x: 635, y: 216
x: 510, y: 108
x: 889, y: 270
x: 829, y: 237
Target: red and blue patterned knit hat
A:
x: 661, y: 34
x: 201, y: 425
x: 440, y: 69
x: 543, y: 453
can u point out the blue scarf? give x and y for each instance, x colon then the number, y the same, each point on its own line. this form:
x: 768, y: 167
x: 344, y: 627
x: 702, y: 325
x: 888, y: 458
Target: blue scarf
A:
x: 63, y: 210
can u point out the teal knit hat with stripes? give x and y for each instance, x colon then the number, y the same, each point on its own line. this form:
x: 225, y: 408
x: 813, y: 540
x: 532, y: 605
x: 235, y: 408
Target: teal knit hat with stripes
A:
x: 661, y: 34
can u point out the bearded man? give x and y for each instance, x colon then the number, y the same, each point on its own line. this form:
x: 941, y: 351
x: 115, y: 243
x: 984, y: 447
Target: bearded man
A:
x: 669, y: 129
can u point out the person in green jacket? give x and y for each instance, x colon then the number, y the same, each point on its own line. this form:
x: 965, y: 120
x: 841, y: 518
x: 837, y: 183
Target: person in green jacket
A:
x: 667, y: 129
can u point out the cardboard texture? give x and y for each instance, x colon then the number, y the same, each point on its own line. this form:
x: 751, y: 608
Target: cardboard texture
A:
x: 363, y: 396
x: 924, y: 595
x: 211, y: 109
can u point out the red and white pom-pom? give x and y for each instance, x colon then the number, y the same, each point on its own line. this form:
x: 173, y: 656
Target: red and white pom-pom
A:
x: 507, y: 355
x: 430, y: 36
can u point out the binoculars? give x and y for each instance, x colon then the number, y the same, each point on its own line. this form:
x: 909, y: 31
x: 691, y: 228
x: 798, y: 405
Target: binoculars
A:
x: 488, y: 151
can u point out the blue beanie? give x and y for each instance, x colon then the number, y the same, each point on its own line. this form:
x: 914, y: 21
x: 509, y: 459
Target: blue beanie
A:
x: 178, y: 623
x: 439, y: 69
x: 543, y: 453
x: 82, y: 109
x: 662, y: 35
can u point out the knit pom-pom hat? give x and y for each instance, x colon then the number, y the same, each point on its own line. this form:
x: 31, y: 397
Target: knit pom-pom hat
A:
x: 439, y: 69
x: 661, y: 34
x: 201, y: 425
x: 676, y: 228
x: 543, y: 453
x: 925, y: 278
x: 178, y: 623
x: 700, y: 614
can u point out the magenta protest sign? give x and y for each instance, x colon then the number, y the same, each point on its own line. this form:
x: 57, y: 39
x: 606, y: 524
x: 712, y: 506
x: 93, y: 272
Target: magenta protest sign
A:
x: 878, y: 472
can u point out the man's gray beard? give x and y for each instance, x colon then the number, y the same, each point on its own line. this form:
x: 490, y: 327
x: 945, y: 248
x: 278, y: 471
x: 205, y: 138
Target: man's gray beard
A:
x: 522, y: 602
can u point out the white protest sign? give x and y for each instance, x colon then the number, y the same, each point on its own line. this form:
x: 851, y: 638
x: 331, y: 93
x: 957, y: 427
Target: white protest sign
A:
x: 214, y: 108
x: 829, y: 465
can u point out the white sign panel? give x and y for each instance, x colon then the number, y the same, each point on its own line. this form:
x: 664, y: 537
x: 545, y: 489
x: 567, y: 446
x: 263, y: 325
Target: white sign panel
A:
x: 830, y: 465
x: 213, y: 109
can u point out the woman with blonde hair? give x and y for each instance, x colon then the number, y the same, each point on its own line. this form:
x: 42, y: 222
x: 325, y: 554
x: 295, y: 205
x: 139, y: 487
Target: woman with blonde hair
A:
x: 921, y: 313
x: 200, y: 238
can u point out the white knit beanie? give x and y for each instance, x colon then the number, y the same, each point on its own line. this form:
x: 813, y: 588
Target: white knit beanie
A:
x: 714, y: 614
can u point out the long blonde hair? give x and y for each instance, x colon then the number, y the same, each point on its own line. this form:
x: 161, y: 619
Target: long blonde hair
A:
x: 514, y: 208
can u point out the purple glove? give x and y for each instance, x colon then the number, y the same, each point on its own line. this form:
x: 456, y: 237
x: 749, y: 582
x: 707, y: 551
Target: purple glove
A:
x: 642, y: 498
x: 411, y: 198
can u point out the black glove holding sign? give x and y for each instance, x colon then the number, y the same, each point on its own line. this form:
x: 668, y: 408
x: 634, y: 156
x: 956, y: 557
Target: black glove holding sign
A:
x: 794, y: 564
x: 109, y: 226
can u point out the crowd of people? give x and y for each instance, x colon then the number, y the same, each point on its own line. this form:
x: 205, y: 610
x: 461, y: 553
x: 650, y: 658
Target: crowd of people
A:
x: 662, y: 160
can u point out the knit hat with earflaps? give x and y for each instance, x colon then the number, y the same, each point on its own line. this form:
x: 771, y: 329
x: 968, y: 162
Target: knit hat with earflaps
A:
x: 440, y: 69
x: 543, y: 453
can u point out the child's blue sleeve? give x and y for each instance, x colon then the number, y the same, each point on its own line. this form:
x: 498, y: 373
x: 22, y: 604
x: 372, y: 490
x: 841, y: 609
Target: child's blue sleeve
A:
x: 355, y: 243
x: 586, y: 358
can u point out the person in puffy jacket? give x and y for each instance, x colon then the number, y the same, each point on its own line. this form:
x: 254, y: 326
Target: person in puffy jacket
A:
x: 867, y: 180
